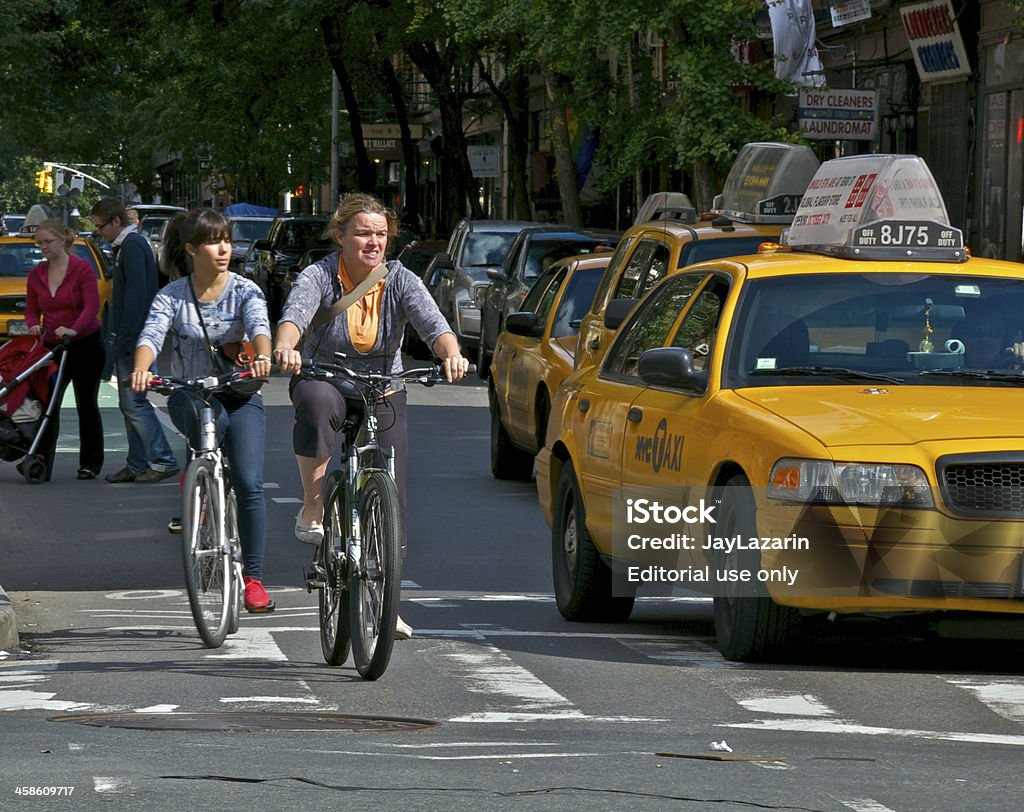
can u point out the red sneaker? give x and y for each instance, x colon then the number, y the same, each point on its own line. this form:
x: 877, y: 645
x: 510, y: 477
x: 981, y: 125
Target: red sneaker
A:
x: 256, y: 598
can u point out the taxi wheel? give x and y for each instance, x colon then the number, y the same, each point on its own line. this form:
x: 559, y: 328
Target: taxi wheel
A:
x: 583, y: 582
x: 507, y: 461
x: 749, y: 625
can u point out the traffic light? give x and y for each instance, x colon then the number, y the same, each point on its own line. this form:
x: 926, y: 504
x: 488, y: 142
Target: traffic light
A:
x: 299, y: 190
x: 44, y: 181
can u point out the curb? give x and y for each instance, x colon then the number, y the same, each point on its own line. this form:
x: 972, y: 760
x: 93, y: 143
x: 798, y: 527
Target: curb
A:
x: 8, y: 625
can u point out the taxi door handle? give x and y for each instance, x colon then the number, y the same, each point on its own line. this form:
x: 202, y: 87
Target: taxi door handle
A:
x: 594, y: 344
x: 584, y: 404
x: 635, y: 415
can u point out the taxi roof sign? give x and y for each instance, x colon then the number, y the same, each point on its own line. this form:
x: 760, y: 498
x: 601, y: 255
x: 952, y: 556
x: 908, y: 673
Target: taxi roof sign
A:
x: 766, y: 182
x: 876, y: 207
x: 665, y: 206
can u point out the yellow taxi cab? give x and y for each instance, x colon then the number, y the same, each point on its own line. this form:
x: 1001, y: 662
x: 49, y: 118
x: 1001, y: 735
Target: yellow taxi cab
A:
x: 18, y: 256
x: 760, y: 197
x: 830, y: 427
x: 533, y: 356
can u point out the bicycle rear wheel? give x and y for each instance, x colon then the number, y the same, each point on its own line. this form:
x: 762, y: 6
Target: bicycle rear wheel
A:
x: 330, y: 560
x: 375, y: 582
x: 208, y: 566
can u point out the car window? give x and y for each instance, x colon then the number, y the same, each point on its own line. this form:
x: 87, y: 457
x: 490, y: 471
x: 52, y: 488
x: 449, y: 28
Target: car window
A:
x: 537, y: 291
x: 647, y: 265
x: 699, y: 329
x: 542, y: 253
x: 83, y: 251
x: 548, y: 299
x: 483, y: 248
x: 650, y: 325
x: 18, y: 258
x: 249, y: 230
x: 704, y: 250
x: 921, y: 328
x: 576, y: 301
x: 612, y: 271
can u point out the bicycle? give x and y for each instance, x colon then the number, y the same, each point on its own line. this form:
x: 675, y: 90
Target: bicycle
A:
x: 211, y: 547
x: 357, y: 566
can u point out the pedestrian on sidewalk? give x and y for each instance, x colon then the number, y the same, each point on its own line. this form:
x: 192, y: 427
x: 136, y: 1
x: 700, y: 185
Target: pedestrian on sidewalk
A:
x: 63, y: 300
x: 203, y: 311
x: 150, y: 458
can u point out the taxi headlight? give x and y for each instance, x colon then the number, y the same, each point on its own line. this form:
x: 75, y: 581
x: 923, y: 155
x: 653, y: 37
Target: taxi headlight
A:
x: 849, y: 483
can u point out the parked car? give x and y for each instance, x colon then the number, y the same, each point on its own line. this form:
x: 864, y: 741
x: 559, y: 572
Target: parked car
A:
x: 532, y: 252
x: 290, y: 236
x: 12, y: 223
x: 245, y: 230
x: 18, y: 256
x: 458, y: 276
x: 416, y: 256
x: 534, y: 354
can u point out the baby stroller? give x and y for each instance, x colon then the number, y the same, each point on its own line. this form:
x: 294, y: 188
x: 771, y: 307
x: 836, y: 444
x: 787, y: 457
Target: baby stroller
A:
x: 30, y: 373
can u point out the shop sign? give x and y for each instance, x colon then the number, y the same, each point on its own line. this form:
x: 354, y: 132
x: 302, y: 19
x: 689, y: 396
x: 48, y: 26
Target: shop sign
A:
x: 935, y: 41
x: 845, y: 12
x: 838, y: 115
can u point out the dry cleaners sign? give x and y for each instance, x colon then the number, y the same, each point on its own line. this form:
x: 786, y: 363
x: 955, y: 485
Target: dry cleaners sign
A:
x: 935, y: 41
x: 838, y: 115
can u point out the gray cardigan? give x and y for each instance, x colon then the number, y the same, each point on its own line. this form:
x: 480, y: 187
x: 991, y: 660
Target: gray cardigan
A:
x: 405, y: 300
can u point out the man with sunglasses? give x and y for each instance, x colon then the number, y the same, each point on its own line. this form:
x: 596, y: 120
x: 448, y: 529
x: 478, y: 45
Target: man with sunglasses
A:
x: 150, y: 458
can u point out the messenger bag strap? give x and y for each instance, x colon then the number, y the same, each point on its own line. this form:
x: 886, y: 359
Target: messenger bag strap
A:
x: 354, y: 295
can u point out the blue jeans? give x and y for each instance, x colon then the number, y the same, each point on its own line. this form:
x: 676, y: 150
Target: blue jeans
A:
x: 147, y: 444
x: 241, y: 432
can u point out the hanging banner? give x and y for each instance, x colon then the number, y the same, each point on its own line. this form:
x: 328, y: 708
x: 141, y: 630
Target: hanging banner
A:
x: 935, y: 41
x: 793, y: 36
x: 838, y: 115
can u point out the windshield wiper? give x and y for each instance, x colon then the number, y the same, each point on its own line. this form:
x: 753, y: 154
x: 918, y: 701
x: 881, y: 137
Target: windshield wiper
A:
x: 829, y: 372
x: 979, y: 374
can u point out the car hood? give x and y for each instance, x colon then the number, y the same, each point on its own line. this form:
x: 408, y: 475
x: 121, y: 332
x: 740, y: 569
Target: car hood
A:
x: 876, y: 414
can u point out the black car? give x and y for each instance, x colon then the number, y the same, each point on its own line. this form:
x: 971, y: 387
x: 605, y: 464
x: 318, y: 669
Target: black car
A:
x: 245, y: 230
x: 532, y: 253
x: 290, y: 236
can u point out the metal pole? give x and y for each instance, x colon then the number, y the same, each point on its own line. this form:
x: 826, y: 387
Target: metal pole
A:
x: 335, y: 93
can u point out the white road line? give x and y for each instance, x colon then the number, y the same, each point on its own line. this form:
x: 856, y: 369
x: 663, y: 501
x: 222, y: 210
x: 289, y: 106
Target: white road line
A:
x: 787, y: 704
x: 107, y: 784
x: 1005, y: 698
x: 841, y: 726
x: 158, y: 709
x: 250, y: 644
x: 36, y: 700
x: 271, y: 700
x: 864, y: 805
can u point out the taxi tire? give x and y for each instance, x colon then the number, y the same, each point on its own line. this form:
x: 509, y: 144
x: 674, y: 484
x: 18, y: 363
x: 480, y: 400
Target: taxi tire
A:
x: 746, y: 628
x: 583, y: 582
x: 507, y: 461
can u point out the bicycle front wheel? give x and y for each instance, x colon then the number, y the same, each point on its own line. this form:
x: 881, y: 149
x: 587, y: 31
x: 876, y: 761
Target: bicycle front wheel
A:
x: 330, y: 561
x: 375, y: 581
x: 208, y: 566
x: 234, y: 542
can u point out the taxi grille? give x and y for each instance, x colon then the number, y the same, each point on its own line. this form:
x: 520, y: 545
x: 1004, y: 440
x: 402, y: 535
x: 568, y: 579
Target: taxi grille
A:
x: 985, y: 485
x: 12, y: 305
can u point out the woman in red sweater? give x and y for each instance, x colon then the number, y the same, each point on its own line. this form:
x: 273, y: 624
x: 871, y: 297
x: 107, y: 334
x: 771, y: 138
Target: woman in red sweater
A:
x: 63, y: 300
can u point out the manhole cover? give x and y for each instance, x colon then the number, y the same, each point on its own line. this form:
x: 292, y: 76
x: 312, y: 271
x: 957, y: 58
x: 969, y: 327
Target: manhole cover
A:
x: 254, y: 722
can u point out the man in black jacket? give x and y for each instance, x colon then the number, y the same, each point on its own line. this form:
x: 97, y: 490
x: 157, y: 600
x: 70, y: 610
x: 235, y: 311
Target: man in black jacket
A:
x: 150, y: 458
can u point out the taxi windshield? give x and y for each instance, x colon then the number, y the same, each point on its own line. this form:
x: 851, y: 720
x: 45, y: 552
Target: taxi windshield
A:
x: 932, y: 329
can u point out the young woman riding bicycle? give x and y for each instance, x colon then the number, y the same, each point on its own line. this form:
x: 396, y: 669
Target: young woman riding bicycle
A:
x: 370, y: 334
x: 206, y: 308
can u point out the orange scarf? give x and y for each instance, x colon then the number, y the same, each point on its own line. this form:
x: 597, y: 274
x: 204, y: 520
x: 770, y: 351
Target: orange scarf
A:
x: 363, y: 315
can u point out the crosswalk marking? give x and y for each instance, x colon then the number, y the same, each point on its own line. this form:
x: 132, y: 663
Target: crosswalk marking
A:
x: 1003, y: 697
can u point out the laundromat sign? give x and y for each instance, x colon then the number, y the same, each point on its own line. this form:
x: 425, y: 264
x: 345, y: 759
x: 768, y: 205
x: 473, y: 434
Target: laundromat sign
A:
x: 935, y: 41
x: 838, y: 115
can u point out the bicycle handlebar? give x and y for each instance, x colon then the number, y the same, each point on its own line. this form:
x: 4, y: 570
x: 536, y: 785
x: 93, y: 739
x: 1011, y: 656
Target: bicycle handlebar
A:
x: 428, y: 376
x: 165, y: 384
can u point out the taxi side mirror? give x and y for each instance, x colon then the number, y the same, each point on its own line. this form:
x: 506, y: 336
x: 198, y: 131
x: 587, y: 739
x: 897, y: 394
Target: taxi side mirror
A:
x: 524, y: 324
x: 670, y: 366
x: 496, y: 275
x: 262, y: 245
x: 617, y: 311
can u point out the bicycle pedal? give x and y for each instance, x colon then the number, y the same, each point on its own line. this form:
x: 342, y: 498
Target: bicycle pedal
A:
x: 174, y: 526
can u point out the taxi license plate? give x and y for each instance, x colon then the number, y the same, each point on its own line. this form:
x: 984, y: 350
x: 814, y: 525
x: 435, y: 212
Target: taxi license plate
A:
x: 17, y: 328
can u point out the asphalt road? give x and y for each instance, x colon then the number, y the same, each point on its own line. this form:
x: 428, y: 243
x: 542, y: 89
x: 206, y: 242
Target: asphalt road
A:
x: 529, y: 711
